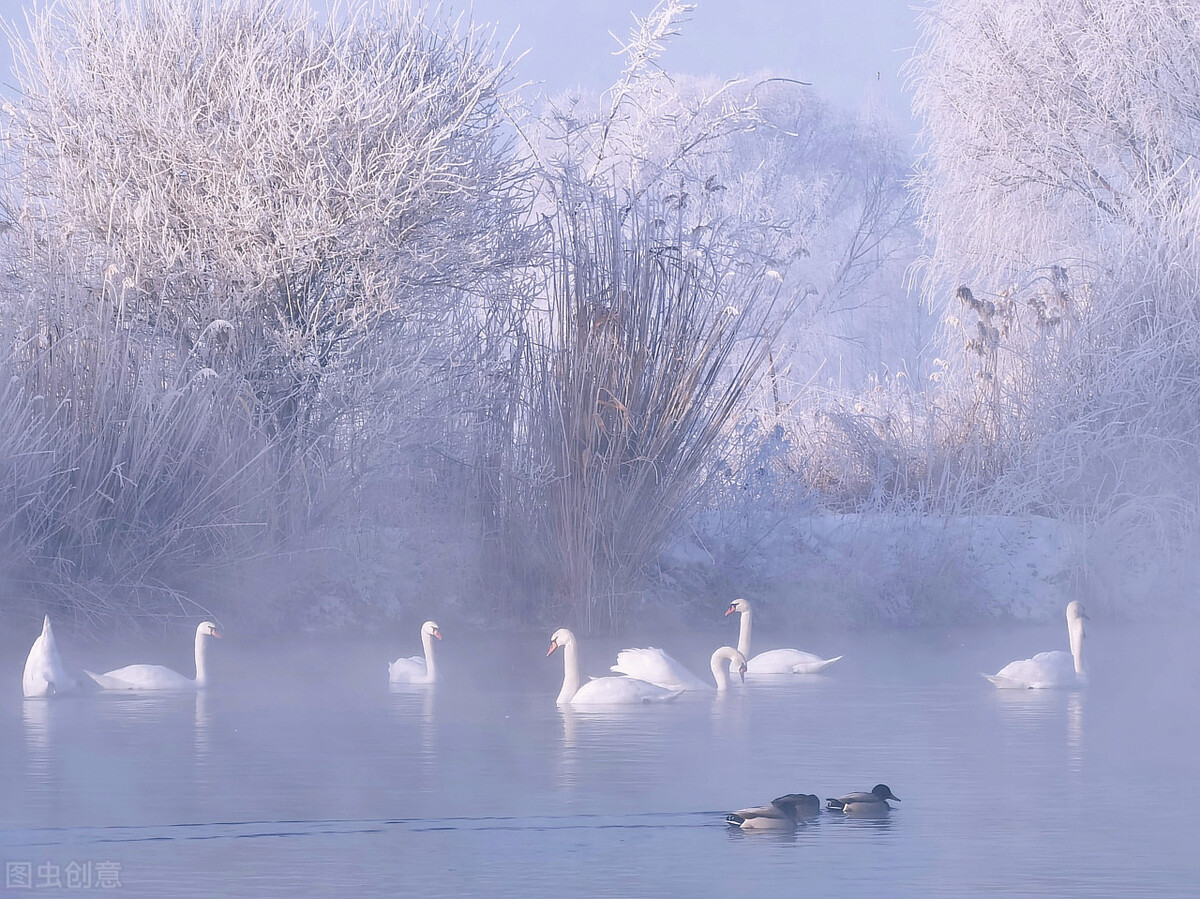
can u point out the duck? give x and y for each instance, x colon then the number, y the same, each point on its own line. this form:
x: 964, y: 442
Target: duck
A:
x: 782, y: 813
x: 654, y: 666
x: 773, y: 661
x: 1049, y: 669
x: 45, y: 674
x: 600, y: 690
x: 417, y: 669
x: 872, y: 803
x: 159, y: 677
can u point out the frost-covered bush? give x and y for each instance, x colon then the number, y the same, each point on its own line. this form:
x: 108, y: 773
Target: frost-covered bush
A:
x: 642, y: 363
x: 335, y: 192
x: 255, y: 260
x: 1061, y: 199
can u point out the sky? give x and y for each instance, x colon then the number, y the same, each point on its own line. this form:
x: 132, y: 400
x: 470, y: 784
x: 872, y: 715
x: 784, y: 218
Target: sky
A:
x: 841, y: 47
x: 845, y: 48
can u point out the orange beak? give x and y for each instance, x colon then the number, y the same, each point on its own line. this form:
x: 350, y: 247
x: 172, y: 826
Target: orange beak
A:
x: 553, y: 646
x: 438, y: 634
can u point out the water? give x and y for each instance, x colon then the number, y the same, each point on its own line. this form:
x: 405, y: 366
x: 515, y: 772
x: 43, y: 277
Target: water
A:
x: 300, y: 773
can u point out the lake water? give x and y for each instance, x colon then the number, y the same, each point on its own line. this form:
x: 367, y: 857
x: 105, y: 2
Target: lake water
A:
x: 301, y: 773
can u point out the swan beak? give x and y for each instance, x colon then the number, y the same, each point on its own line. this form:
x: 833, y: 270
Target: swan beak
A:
x: 216, y: 634
x: 730, y: 610
x: 742, y: 673
x: 438, y: 634
x: 553, y: 646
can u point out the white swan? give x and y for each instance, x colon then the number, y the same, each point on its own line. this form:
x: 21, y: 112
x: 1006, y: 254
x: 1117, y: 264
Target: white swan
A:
x: 773, y: 661
x: 1049, y: 669
x: 45, y: 674
x: 722, y: 662
x: 159, y: 677
x: 415, y: 669
x: 656, y: 667
x: 600, y: 690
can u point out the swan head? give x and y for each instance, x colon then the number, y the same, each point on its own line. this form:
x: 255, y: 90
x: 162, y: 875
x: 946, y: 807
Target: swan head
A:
x: 561, y: 637
x: 431, y: 628
x: 207, y: 629
x: 1075, y: 610
x: 881, y: 791
x: 738, y: 605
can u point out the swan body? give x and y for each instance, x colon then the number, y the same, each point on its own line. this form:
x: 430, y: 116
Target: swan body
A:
x: 417, y: 669
x: 45, y: 674
x: 600, y: 690
x: 1049, y: 669
x: 773, y: 661
x: 159, y: 677
x: 779, y: 815
x: 723, y: 661
x: 656, y: 667
x: 873, y: 803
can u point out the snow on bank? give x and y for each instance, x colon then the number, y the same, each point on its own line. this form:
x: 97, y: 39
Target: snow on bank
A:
x: 886, y: 569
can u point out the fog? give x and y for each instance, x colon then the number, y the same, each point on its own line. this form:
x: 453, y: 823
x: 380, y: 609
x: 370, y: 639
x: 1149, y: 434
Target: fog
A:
x: 317, y: 326
x: 299, y: 770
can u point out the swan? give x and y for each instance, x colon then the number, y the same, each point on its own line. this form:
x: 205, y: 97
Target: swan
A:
x: 656, y: 667
x: 722, y: 663
x: 781, y: 813
x: 873, y: 803
x: 159, y: 677
x: 600, y: 690
x: 45, y: 674
x: 1049, y: 669
x: 773, y: 661
x: 417, y: 670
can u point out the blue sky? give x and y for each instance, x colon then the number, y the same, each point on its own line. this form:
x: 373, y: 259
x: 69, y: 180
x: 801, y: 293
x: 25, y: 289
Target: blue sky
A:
x: 843, y: 47
x: 840, y: 46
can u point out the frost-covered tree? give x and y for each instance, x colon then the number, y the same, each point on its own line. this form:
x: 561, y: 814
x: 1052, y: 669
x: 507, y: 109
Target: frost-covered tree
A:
x: 297, y: 199
x: 1061, y: 198
x: 254, y: 256
x: 764, y: 168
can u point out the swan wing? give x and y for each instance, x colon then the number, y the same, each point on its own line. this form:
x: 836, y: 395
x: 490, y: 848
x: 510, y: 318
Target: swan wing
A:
x: 142, y: 677
x: 408, y: 671
x: 656, y: 667
x: 787, y: 661
x: 1046, y: 669
x: 814, y: 664
x: 621, y: 690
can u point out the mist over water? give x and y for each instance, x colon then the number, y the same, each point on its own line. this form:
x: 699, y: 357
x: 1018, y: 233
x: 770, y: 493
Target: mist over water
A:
x: 301, y: 772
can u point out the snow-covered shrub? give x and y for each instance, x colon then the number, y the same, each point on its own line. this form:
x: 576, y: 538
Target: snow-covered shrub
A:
x: 1061, y: 197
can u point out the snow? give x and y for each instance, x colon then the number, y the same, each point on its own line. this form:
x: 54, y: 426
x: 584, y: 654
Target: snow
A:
x: 856, y: 569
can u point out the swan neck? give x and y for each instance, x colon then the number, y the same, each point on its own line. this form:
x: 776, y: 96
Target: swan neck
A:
x: 744, y: 634
x: 570, y: 673
x: 720, y: 669
x: 1075, y: 631
x: 201, y: 654
x: 427, y: 644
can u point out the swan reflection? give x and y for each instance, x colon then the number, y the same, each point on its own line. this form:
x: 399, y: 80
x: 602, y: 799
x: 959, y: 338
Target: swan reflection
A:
x: 419, y: 700
x: 36, y: 715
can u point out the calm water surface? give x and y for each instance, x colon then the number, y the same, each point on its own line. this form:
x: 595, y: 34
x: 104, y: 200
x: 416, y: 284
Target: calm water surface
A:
x: 301, y: 773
